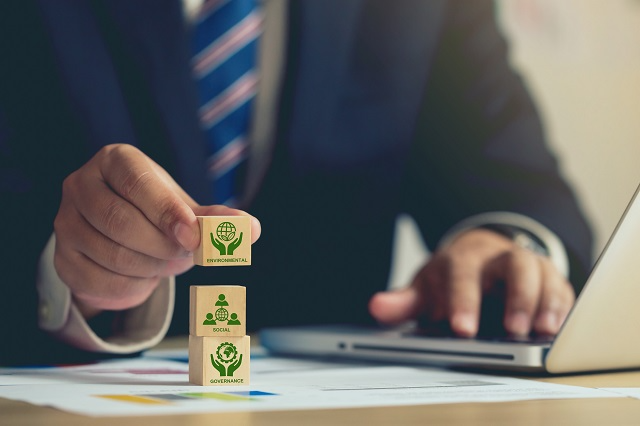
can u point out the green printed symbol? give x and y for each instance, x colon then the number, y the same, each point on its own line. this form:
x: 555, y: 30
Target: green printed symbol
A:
x: 226, y: 232
x: 221, y: 313
x: 209, y: 320
x: 222, y: 300
x: 226, y: 353
x: 234, y: 320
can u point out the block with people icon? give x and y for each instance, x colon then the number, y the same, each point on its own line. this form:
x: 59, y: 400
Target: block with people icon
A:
x: 225, y: 241
x: 217, y: 310
x: 219, y: 352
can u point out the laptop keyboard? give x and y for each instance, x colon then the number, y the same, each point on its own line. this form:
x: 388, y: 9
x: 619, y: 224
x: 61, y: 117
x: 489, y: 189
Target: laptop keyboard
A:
x: 442, y: 331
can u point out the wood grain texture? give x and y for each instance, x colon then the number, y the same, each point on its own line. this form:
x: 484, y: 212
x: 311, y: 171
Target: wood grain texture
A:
x: 217, y: 310
x: 225, y: 241
x: 219, y: 361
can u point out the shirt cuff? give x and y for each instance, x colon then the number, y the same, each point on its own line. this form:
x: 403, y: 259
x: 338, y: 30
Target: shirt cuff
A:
x: 141, y: 327
x: 554, y: 247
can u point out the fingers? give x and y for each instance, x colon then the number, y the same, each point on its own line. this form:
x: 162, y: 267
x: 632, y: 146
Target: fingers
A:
x: 217, y: 210
x: 452, y: 285
x: 464, y: 296
x: 520, y: 270
x: 112, y: 255
x: 556, y: 300
x: 122, y: 224
x: 459, y: 282
x: 395, y: 307
x: 448, y: 287
x: 538, y: 298
x: 108, y: 251
x: 108, y: 276
x: 118, y: 258
x: 134, y: 177
x: 99, y: 287
x: 440, y: 291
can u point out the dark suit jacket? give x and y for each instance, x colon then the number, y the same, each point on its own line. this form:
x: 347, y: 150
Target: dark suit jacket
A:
x: 388, y: 107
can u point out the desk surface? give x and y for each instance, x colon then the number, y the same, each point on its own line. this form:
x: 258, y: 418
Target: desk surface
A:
x: 566, y: 412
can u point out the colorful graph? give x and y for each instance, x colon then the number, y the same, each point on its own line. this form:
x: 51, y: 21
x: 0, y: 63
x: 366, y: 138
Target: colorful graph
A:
x: 171, y: 398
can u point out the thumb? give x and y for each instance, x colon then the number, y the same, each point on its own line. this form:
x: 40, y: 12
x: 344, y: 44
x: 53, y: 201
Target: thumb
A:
x: 220, y: 210
x: 393, y: 307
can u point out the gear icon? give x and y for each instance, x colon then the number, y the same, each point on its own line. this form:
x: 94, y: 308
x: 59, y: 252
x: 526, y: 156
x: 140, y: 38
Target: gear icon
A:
x: 226, y: 352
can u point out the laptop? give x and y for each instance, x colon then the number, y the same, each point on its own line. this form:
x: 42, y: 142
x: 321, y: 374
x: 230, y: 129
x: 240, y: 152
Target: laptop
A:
x: 602, y: 331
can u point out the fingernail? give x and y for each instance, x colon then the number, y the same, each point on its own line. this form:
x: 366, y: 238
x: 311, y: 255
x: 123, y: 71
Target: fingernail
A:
x: 464, y: 324
x: 255, y: 223
x: 184, y: 235
x: 518, y: 323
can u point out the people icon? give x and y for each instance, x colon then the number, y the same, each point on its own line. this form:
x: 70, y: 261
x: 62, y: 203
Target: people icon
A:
x: 221, y: 313
x: 221, y: 301
x: 209, y: 320
x: 233, y: 320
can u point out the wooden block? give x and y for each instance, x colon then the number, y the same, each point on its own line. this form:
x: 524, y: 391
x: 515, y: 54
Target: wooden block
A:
x: 219, y: 361
x: 226, y: 241
x: 218, y: 310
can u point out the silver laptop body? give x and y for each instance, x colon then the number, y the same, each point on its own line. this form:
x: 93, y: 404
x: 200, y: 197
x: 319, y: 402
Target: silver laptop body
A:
x: 602, y: 331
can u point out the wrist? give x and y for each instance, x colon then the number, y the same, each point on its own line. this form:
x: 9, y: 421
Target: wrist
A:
x: 519, y: 236
x: 548, y: 240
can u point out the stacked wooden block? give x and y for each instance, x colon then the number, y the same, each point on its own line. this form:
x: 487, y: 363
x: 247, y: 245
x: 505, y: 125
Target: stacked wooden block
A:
x: 219, y: 353
x: 218, y: 344
x: 226, y: 241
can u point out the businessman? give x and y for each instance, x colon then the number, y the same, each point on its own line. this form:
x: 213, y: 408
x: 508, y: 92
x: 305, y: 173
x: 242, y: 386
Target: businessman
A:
x: 364, y: 110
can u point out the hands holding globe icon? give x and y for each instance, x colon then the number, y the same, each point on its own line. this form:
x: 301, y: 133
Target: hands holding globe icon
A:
x: 226, y: 231
x: 226, y: 353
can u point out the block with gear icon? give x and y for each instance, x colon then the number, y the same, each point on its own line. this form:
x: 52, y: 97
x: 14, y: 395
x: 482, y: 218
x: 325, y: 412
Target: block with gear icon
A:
x: 226, y: 241
x: 219, y: 361
x: 217, y: 310
x: 219, y: 349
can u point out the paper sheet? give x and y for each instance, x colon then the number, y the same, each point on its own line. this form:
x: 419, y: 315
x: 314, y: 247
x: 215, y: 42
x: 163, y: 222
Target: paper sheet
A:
x: 152, y: 386
x: 629, y: 392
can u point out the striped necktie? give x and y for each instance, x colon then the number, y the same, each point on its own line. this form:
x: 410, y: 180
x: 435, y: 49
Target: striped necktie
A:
x: 224, y: 66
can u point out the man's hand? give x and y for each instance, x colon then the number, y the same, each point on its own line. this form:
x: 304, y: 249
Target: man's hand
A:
x: 124, y: 223
x: 452, y: 284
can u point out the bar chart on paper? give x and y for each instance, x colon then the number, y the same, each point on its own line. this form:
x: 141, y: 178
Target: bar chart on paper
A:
x: 150, y: 386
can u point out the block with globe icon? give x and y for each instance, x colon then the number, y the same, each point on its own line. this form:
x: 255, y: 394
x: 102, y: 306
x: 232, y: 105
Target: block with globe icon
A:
x: 218, y: 310
x: 226, y: 241
x: 219, y: 349
x: 219, y: 361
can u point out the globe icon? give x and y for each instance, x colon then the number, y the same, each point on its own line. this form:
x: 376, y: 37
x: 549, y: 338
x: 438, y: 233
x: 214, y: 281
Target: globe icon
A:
x: 227, y: 352
x: 226, y: 231
x: 222, y: 314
